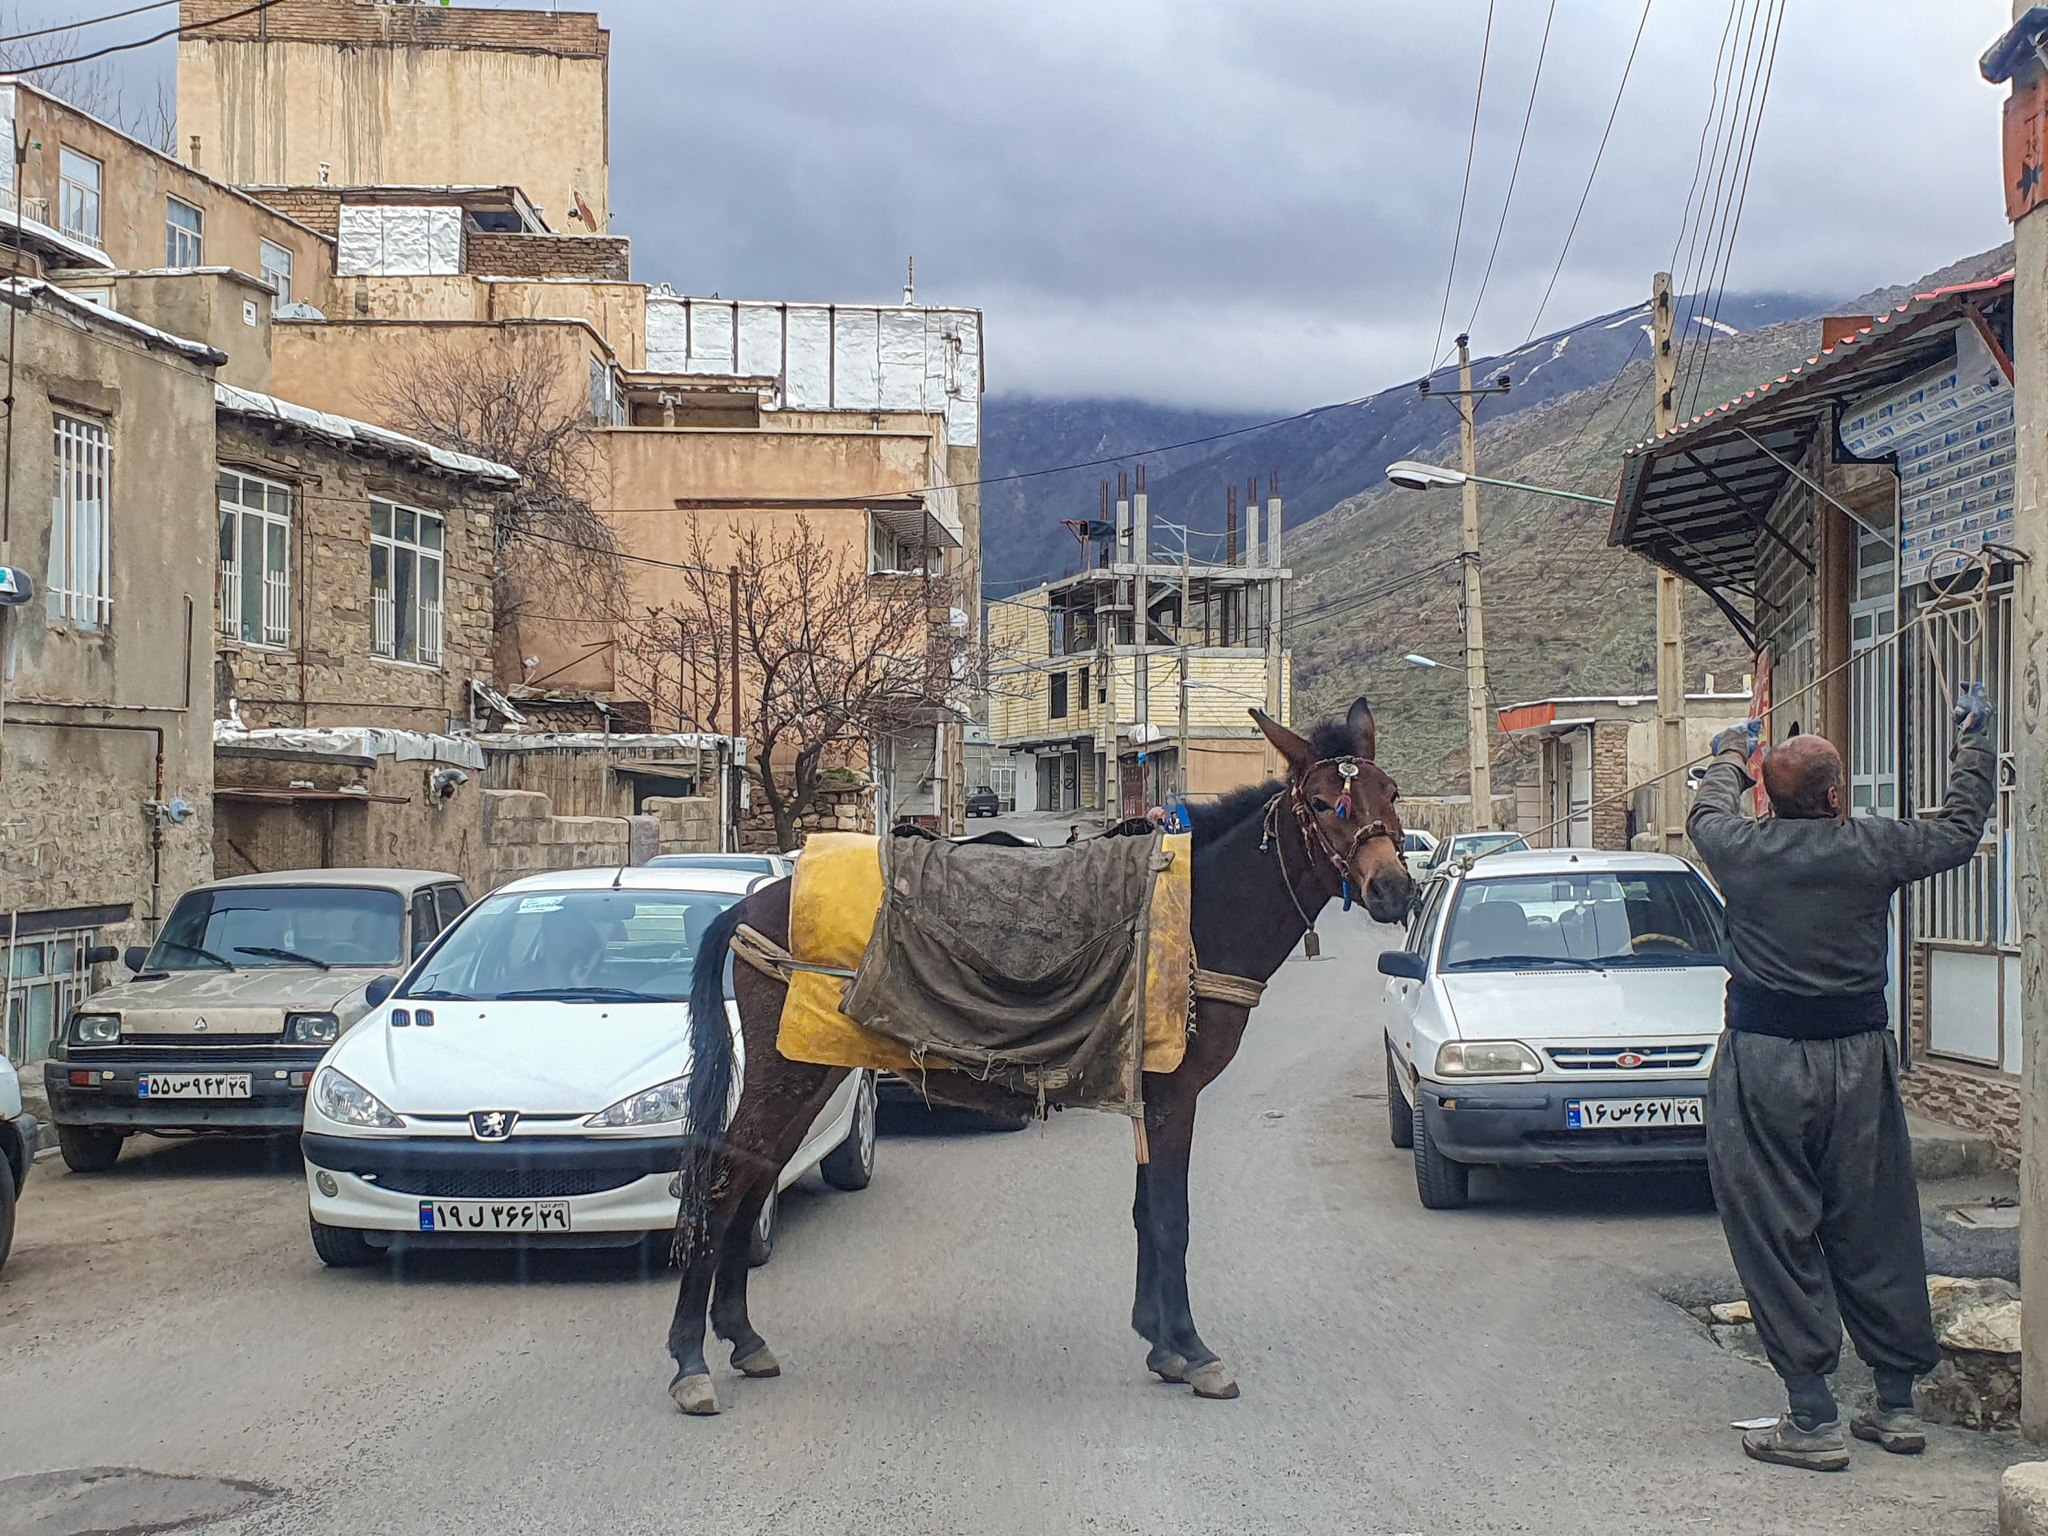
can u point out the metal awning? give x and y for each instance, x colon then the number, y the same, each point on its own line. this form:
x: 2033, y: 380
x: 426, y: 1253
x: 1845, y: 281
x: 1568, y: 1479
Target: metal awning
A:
x: 1696, y: 500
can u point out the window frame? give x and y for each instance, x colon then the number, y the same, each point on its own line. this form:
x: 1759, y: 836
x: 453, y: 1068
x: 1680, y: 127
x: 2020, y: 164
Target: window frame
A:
x: 427, y: 639
x: 90, y: 197
x: 81, y: 447
x: 1057, y: 701
x: 279, y: 296
x: 176, y: 235
x: 274, y: 608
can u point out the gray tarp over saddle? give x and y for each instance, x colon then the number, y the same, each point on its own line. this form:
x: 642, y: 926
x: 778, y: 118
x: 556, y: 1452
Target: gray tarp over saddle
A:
x: 1020, y: 966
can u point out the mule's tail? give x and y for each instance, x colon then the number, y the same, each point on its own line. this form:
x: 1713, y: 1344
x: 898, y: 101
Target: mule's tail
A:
x: 709, y: 1098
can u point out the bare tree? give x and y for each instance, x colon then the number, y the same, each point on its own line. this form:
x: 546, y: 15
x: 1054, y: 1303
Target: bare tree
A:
x: 99, y: 87
x: 830, y: 657
x: 512, y: 401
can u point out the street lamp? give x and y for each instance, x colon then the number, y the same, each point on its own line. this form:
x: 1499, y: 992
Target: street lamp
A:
x: 1414, y: 475
x: 1414, y: 660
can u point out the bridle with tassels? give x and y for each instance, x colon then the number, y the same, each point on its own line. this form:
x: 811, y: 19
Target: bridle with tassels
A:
x: 1313, y: 835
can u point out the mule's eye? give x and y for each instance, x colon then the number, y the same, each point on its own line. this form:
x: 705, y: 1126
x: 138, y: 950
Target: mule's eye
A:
x: 1321, y: 806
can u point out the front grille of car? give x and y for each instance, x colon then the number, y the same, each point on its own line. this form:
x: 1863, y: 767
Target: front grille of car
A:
x: 504, y: 1183
x: 1607, y: 1058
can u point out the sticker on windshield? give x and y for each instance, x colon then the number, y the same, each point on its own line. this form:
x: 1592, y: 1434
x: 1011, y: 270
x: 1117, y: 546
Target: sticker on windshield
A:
x: 540, y: 904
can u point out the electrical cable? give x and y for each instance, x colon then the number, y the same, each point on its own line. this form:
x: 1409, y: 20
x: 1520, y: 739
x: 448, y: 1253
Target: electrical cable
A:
x: 142, y: 42
x: 1598, y: 154
x: 1464, y: 192
x: 1515, y: 173
x: 89, y: 21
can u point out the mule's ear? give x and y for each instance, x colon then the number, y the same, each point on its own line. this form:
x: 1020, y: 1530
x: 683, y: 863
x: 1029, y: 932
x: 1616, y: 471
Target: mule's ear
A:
x: 1363, y: 731
x: 1299, y: 754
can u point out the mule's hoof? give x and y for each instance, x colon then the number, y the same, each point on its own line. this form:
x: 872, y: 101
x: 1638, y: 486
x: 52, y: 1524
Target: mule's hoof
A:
x: 761, y: 1362
x: 693, y: 1394
x: 1213, y: 1380
x: 1167, y: 1366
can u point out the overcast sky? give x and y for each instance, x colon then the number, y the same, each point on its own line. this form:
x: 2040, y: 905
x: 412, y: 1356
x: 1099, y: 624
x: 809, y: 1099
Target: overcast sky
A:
x: 1242, y: 204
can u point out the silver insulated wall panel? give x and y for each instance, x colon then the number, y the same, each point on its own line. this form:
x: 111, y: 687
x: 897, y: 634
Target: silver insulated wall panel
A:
x: 399, y: 242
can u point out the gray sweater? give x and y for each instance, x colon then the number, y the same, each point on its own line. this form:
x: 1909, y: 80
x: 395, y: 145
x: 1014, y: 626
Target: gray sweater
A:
x: 1808, y: 901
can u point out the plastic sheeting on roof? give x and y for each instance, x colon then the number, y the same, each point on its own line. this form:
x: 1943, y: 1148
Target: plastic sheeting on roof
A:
x: 355, y: 741
x: 343, y: 429
x: 399, y: 242
x: 829, y: 357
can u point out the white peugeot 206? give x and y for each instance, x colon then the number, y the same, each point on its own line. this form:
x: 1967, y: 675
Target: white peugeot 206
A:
x: 524, y: 1083
x: 1554, y: 1008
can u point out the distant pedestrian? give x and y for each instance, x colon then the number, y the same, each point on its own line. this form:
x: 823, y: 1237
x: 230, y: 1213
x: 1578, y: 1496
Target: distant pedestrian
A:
x: 1806, y: 1135
x: 1073, y: 834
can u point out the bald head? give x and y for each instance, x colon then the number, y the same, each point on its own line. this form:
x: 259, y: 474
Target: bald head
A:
x: 1803, y: 777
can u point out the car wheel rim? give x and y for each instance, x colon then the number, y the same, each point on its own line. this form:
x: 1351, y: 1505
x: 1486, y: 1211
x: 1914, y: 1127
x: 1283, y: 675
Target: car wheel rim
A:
x: 866, y: 1128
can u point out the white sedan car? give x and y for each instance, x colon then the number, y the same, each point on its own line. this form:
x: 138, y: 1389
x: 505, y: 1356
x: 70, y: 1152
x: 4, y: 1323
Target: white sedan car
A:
x: 523, y: 1084
x: 1554, y: 1008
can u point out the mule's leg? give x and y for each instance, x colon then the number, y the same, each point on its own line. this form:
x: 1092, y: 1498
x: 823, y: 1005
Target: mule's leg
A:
x: 1146, y: 1318
x: 691, y: 1388
x: 799, y: 1093
x: 1172, y: 1138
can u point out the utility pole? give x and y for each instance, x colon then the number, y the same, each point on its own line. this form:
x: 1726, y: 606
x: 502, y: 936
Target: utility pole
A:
x: 1275, y: 623
x: 1141, y: 629
x: 1475, y: 626
x: 733, y: 577
x: 1671, y: 753
x: 1186, y: 589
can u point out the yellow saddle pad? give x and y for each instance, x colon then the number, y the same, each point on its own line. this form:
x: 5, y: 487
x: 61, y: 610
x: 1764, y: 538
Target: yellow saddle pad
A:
x: 833, y: 902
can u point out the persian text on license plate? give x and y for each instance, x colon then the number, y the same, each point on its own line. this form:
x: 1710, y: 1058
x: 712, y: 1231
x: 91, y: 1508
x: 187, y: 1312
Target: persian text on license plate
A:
x: 494, y: 1215
x: 193, y: 1085
x: 1633, y: 1114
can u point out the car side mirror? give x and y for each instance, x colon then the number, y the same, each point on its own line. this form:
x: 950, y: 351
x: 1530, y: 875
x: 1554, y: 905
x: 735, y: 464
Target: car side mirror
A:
x: 379, y: 988
x: 102, y: 954
x: 133, y: 956
x: 1402, y: 963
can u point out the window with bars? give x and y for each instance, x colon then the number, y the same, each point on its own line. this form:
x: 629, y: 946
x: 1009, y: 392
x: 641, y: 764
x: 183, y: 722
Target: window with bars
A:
x: 78, y: 196
x: 255, y: 559
x: 79, y: 590
x: 406, y: 557
x: 184, y: 235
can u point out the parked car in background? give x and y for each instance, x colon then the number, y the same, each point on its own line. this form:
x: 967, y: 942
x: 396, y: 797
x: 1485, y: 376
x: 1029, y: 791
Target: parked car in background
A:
x: 18, y: 1138
x: 249, y: 982
x: 775, y: 865
x: 1555, y: 1008
x: 1418, y: 845
x: 984, y: 802
x: 524, y: 1083
x: 1461, y: 845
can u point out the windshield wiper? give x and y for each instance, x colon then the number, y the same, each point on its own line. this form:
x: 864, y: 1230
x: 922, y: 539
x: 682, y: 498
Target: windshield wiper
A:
x: 280, y: 954
x: 577, y: 994
x: 442, y: 997
x: 1522, y: 960
x: 204, y: 954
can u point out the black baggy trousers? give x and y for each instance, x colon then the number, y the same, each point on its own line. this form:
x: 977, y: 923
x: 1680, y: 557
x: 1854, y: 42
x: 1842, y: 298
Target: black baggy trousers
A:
x: 1813, y: 1174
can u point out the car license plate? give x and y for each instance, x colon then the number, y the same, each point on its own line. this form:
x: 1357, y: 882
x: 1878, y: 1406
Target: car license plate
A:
x: 1633, y: 1114
x: 494, y: 1215
x: 193, y: 1085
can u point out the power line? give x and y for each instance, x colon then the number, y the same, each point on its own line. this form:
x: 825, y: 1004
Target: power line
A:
x: 1515, y: 173
x: 141, y: 42
x: 1598, y: 154
x: 1465, y: 191
x: 90, y: 21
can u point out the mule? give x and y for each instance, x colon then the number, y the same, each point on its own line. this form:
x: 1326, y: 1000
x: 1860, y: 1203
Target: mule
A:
x: 1266, y: 860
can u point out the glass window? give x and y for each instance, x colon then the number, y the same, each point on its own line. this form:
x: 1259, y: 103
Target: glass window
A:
x: 405, y: 583
x: 251, y: 927
x: 452, y: 900
x: 745, y: 863
x: 425, y: 921
x: 255, y: 582
x: 1057, y: 704
x: 79, y: 589
x: 598, y: 946
x: 277, y: 271
x: 1651, y: 918
x: 184, y: 235
x: 78, y: 196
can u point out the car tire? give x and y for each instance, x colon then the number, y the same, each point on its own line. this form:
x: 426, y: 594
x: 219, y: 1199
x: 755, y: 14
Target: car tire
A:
x: 88, y: 1151
x: 851, y: 1164
x: 1400, y: 1113
x: 342, y: 1247
x: 6, y: 1209
x: 1441, y: 1183
x: 761, y: 1241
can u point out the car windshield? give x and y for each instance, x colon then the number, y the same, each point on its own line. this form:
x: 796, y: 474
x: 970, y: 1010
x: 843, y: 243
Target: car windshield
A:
x: 1647, y: 918
x: 269, y: 926
x: 745, y: 863
x: 1487, y: 842
x: 573, y: 946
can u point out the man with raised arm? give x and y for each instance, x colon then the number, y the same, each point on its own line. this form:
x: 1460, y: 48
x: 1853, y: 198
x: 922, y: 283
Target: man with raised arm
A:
x: 1806, y: 1135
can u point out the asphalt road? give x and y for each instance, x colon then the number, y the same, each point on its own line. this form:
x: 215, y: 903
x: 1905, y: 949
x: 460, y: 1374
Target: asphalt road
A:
x: 955, y: 1346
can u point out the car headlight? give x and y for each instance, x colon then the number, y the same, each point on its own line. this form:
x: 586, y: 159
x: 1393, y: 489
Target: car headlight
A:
x: 1486, y: 1058
x: 349, y: 1103
x: 650, y: 1106
x: 311, y: 1028
x: 95, y: 1028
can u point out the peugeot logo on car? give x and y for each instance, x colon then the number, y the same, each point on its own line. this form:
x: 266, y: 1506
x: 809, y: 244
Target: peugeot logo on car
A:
x: 1628, y: 1059
x: 492, y: 1124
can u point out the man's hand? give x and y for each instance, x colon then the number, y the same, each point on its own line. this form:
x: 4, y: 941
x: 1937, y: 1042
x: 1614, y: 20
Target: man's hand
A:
x: 1740, y: 739
x: 1973, y: 710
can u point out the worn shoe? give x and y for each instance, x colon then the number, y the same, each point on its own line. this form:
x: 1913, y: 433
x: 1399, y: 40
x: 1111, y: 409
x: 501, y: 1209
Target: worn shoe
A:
x: 1824, y: 1448
x: 1898, y: 1430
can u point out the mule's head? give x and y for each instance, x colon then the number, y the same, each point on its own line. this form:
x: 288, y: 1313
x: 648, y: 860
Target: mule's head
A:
x: 1360, y: 830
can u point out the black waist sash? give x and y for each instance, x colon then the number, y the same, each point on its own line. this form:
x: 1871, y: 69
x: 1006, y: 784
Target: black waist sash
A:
x: 1789, y: 1016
